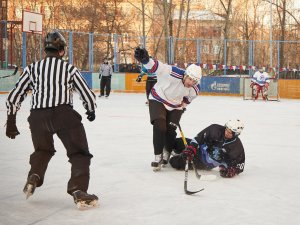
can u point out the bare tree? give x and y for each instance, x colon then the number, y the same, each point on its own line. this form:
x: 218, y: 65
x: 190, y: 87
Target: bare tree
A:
x: 178, y: 26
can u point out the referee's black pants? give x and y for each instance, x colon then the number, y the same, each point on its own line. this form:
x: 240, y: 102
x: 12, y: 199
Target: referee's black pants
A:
x: 65, y: 122
x: 105, y: 84
x: 164, y: 134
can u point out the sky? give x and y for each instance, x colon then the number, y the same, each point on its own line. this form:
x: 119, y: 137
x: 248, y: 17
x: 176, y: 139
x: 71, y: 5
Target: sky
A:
x: 130, y: 193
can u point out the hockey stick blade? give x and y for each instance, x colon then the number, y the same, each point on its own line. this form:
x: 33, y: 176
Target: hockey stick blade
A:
x: 14, y: 73
x: 190, y: 192
x: 186, y: 174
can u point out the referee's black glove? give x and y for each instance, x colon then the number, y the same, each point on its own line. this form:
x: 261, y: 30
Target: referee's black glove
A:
x: 11, y: 128
x: 91, y: 115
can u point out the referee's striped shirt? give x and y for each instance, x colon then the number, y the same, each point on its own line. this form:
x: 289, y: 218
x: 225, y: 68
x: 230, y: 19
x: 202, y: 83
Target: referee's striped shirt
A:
x: 52, y: 82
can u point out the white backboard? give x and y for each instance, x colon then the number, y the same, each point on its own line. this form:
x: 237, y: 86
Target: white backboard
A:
x: 32, y: 22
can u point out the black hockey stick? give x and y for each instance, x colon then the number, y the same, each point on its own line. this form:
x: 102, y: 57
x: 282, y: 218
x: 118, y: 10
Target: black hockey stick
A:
x: 13, y: 74
x: 186, y: 169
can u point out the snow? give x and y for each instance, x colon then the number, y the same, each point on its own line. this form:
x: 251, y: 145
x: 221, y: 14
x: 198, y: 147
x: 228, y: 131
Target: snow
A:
x: 268, y: 192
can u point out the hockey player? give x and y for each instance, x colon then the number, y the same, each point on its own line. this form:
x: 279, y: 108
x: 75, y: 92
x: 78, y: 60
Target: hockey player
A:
x: 174, y: 90
x: 53, y: 81
x: 151, y: 81
x: 260, y: 83
x: 215, y: 146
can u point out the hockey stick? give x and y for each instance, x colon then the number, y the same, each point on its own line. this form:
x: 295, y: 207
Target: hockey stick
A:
x: 186, y: 169
x: 13, y: 74
x: 185, y: 144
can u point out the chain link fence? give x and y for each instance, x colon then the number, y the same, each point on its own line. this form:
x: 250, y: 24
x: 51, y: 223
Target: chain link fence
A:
x: 216, y: 56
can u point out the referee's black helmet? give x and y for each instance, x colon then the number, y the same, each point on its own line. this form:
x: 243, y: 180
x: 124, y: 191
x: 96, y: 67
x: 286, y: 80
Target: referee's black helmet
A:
x: 55, y: 41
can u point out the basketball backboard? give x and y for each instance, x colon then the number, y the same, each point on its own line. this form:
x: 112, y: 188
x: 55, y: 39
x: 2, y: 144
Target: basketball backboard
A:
x: 32, y: 22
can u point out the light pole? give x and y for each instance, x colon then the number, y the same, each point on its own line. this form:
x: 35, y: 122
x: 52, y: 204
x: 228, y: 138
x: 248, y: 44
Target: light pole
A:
x: 271, y: 37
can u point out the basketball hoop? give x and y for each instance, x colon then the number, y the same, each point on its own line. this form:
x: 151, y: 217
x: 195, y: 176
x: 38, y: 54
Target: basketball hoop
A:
x: 32, y: 22
x: 32, y: 26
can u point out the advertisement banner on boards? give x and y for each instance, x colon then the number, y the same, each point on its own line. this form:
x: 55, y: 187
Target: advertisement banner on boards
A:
x: 220, y: 85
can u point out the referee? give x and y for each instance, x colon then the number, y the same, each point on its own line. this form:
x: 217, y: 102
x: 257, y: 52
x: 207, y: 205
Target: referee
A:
x: 52, y: 82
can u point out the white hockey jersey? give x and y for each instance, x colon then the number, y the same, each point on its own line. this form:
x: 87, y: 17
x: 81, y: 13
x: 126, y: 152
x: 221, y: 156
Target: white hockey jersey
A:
x: 260, y: 78
x: 169, y: 88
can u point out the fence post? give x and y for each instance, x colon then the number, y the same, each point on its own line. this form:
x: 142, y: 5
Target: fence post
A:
x: 6, y: 45
x: 116, y: 61
x: 24, y: 49
x: 250, y: 60
x: 198, y: 51
x: 143, y: 41
x: 278, y: 59
x: 71, y: 47
x: 225, y: 55
x: 91, y: 52
x: 170, y: 51
x: 41, y: 47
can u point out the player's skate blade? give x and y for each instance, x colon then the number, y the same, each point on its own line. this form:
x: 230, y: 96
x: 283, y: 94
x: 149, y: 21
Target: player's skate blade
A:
x: 30, y: 185
x: 81, y: 205
x: 28, y: 190
x: 84, y: 200
x: 156, y: 166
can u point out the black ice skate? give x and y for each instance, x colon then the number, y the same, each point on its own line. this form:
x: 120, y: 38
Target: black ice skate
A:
x: 30, y: 185
x: 156, y: 164
x: 84, y: 200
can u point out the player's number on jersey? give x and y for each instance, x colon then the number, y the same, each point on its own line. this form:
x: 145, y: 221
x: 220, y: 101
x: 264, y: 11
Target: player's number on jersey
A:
x: 240, y: 166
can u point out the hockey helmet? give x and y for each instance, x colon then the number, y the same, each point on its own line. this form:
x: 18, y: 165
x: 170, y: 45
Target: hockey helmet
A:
x: 194, y: 72
x: 236, y: 126
x: 55, y: 41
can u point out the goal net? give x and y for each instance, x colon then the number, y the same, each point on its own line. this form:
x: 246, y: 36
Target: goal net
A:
x: 272, y: 90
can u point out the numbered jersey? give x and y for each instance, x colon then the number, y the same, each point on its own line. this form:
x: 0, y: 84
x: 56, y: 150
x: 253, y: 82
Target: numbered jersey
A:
x: 229, y: 153
x: 260, y: 78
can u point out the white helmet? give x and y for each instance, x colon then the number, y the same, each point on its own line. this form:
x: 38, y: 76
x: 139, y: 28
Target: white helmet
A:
x: 235, y: 126
x: 194, y: 72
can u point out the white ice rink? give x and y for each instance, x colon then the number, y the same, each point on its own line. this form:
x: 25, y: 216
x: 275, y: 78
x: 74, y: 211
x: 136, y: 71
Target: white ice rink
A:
x: 267, y: 193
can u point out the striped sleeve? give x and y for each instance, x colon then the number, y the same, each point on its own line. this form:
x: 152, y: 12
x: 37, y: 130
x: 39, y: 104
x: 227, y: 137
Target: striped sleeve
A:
x: 19, y: 92
x: 193, y: 93
x: 155, y: 66
x: 88, y: 97
x: 177, y: 73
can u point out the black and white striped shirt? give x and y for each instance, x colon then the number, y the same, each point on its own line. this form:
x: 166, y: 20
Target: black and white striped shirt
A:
x: 52, y: 82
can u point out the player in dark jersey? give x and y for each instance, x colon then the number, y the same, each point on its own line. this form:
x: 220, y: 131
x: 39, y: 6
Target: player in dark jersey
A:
x: 215, y: 146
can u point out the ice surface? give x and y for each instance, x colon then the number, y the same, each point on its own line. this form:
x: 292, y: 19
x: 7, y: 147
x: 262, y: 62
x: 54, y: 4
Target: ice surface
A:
x: 267, y: 193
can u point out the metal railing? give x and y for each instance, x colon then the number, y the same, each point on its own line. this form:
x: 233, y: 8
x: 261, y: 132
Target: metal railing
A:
x: 216, y: 56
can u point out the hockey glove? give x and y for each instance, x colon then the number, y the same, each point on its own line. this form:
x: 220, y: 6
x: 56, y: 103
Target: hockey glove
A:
x: 227, y: 172
x: 11, y: 128
x: 141, y: 55
x: 91, y: 115
x: 139, y: 79
x: 190, y: 151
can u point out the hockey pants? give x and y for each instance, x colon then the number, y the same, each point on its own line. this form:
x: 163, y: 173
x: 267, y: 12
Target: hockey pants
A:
x: 164, y: 134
